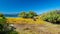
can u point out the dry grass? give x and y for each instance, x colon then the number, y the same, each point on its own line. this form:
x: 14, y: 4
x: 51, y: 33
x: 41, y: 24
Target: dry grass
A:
x: 25, y: 21
x: 29, y: 26
x: 37, y: 29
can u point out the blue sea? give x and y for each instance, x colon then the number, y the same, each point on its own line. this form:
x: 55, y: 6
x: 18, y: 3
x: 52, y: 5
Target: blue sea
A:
x: 11, y: 15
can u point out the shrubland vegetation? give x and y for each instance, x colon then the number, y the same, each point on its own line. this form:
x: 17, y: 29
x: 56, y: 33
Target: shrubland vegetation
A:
x: 52, y: 16
x: 28, y: 18
x: 30, y: 14
x: 4, y: 26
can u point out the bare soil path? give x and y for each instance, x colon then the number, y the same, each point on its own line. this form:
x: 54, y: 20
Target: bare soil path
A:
x: 36, y: 29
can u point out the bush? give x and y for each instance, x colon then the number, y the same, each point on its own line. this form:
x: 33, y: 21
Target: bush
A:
x: 4, y: 26
x: 13, y: 32
x: 53, y: 17
x: 30, y: 14
x: 23, y: 15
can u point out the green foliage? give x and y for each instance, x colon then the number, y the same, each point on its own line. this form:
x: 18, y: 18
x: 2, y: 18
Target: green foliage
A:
x: 30, y: 14
x: 23, y: 14
x: 53, y: 17
x: 4, y: 26
x: 13, y: 32
x: 2, y: 22
x: 1, y: 15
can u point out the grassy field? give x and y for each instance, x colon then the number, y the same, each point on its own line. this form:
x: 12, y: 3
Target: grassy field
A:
x: 29, y: 26
x: 25, y: 21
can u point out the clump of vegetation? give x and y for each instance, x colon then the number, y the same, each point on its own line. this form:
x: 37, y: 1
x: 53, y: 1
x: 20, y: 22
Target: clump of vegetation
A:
x: 13, y: 32
x: 30, y: 14
x: 53, y: 17
x: 4, y: 26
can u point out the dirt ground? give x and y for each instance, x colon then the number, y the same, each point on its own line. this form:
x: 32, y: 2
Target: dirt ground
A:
x: 36, y: 29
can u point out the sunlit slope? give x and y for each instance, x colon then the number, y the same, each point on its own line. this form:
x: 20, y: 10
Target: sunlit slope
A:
x: 25, y: 21
x: 37, y: 27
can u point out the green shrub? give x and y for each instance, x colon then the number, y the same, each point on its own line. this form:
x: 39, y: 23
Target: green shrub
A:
x: 13, y: 32
x: 4, y: 26
x: 23, y: 15
x: 53, y: 17
x: 30, y: 14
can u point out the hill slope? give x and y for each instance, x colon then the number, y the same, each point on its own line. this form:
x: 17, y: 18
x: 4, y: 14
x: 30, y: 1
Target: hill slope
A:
x: 29, y: 26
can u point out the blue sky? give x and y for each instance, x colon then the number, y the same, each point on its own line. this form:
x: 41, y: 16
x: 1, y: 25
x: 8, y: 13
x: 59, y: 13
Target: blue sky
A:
x: 39, y: 6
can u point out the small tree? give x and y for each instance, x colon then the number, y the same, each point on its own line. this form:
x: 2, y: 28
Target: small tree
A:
x: 32, y: 14
x: 23, y: 14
